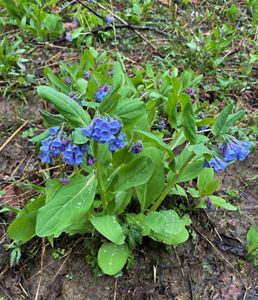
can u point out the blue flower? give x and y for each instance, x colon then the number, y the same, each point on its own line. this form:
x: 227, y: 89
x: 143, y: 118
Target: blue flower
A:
x: 64, y: 179
x: 202, y: 128
x: 68, y: 37
x: 109, y: 19
x: 72, y: 95
x: 235, y: 150
x: 163, y: 124
x: 87, y: 75
x: 73, y: 155
x: 102, y: 92
x: 209, y: 203
x: 53, y: 130
x: 91, y: 160
x: 118, y: 142
x: 75, y: 21
x: 190, y: 92
x: 67, y: 80
x: 137, y: 148
x: 217, y: 164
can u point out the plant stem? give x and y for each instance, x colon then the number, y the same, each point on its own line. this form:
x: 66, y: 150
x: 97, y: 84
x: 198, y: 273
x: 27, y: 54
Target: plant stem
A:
x: 171, y: 184
x: 102, y: 191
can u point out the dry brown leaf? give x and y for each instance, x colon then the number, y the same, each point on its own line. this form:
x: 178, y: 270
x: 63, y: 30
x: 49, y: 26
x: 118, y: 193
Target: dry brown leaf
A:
x: 69, y: 26
x: 231, y: 293
x: 165, y: 2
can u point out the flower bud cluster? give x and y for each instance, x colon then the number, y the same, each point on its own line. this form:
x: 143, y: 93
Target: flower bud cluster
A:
x: 57, y: 144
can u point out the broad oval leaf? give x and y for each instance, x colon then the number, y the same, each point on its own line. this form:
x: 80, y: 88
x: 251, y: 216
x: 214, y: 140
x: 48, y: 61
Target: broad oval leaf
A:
x: 112, y: 257
x: 206, y: 183
x: 150, y: 191
x: 67, y: 205
x: 23, y: 227
x: 136, y: 172
x: 167, y: 227
x: 129, y: 110
x: 69, y: 109
x: 109, y: 228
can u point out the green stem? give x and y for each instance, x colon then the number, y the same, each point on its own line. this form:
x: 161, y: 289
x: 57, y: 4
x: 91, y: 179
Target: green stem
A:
x: 102, y: 191
x: 171, y: 184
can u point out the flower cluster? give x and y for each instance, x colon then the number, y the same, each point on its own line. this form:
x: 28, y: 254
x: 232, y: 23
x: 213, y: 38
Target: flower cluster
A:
x: 102, y: 92
x: 106, y: 131
x: 136, y: 148
x: 233, y: 150
x: 56, y: 144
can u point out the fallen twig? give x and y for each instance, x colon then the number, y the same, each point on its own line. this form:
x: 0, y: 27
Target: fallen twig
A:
x: 128, y: 26
x: 13, y: 135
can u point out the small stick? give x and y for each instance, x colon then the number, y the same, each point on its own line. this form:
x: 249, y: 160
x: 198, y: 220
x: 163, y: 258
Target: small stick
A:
x: 115, y: 291
x: 13, y: 135
x: 179, y: 261
x: 129, y: 26
x: 41, y: 267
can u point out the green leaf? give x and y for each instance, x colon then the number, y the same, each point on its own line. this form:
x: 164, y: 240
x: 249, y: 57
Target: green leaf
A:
x: 109, y: 228
x: 187, y: 118
x: 40, y: 137
x: 82, y: 85
x: 252, y: 240
x: 51, y: 120
x: 70, y: 110
x: 233, y: 118
x: 56, y: 81
x: 167, y: 227
x: 23, y: 227
x: 154, y: 140
x: 112, y: 257
x: 220, y: 123
x: 78, y: 137
x: 150, y: 191
x: 206, y: 183
x: 68, y: 204
x: 171, y: 109
x: 118, y: 81
x: 122, y: 199
x: 129, y: 110
x: 136, y: 172
x: 220, y: 202
x: 138, y: 221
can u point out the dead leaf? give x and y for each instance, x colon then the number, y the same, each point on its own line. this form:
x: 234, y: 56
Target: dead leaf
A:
x: 231, y: 293
x: 69, y: 26
x: 165, y: 2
